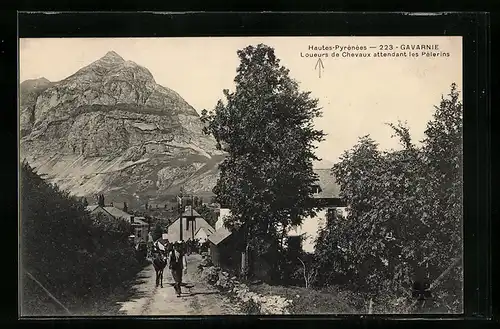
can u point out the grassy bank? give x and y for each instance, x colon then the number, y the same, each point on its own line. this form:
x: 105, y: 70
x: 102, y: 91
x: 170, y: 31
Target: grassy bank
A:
x: 36, y: 302
x: 312, y: 301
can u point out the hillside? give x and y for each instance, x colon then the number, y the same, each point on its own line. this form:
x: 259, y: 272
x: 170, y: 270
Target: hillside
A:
x: 110, y: 128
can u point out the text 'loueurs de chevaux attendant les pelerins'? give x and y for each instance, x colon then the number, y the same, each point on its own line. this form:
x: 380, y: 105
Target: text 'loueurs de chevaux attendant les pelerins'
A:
x: 381, y: 50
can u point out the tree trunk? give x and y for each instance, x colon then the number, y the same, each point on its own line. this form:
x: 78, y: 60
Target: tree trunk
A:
x: 370, y: 306
x: 244, y: 254
x: 306, y: 281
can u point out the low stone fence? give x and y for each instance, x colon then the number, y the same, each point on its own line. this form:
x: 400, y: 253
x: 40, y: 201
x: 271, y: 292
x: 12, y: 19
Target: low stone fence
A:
x: 251, y: 302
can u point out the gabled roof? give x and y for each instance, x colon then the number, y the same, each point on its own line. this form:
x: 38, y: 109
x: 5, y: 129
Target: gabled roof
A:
x: 203, y: 230
x: 117, y: 213
x: 220, y: 235
x: 174, y: 228
x: 92, y: 207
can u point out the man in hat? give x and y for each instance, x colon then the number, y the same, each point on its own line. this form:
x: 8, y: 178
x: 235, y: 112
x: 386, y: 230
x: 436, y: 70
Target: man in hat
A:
x: 177, y: 263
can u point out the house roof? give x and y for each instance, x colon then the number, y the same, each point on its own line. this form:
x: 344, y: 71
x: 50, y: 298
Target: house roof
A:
x: 174, y: 229
x: 330, y: 189
x: 117, y: 213
x: 220, y: 235
x: 202, y: 229
x: 92, y: 207
x: 202, y: 232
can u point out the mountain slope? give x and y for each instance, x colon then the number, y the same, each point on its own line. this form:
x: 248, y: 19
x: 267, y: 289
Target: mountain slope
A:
x: 110, y: 128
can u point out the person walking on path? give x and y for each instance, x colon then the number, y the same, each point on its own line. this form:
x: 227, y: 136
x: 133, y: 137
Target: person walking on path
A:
x: 177, y: 265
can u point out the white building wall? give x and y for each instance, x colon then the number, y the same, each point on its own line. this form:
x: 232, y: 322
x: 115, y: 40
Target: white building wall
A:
x: 222, y: 214
x: 310, y: 227
x: 201, y: 234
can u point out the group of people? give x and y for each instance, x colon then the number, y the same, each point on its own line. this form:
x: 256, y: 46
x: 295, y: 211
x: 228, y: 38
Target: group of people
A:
x: 196, y: 246
x: 172, y: 255
x: 163, y: 254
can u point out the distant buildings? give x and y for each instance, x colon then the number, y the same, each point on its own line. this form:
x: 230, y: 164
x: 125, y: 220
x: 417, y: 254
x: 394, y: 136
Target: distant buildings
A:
x: 192, y: 222
x: 141, y: 227
x: 202, y: 234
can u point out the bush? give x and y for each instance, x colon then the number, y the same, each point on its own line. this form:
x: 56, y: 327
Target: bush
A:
x: 250, y: 307
x: 73, y: 254
x: 210, y: 274
x: 224, y: 282
x: 404, y: 222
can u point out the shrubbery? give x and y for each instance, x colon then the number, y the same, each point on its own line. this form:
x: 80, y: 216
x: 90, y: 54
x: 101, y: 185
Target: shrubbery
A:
x: 73, y: 254
x: 405, y: 216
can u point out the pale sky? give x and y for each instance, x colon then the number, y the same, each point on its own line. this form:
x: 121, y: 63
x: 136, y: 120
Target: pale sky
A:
x: 358, y: 95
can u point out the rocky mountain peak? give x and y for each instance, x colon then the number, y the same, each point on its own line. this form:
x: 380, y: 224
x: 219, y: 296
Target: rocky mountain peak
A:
x: 112, y: 56
x: 110, y: 128
x: 29, y: 85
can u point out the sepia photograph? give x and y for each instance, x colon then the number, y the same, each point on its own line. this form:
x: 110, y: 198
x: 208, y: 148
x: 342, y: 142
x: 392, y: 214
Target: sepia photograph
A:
x: 201, y: 176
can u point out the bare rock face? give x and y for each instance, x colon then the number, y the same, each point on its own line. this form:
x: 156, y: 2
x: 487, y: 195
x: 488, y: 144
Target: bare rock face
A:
x: 29, y: 92
x: 110, y: 128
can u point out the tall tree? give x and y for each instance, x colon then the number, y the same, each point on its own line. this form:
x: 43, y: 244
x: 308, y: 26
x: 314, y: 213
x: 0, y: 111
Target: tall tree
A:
x: 157, y: 231
x: 125, y: 207
x: 404, y: 221
x: 266, y: 127
x: 443, y: 165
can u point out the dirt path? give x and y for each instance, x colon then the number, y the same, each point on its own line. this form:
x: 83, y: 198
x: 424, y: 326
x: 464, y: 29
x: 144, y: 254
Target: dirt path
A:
x: 198, y: 298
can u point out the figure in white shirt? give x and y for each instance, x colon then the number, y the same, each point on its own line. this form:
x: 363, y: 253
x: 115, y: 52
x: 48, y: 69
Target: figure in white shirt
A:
x: 177, y: 263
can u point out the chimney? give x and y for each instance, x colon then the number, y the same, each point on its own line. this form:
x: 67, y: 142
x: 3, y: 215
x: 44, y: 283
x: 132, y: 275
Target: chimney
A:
x: 132, y: 219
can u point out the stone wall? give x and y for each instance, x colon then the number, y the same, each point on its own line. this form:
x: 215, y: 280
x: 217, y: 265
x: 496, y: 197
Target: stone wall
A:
x: 265, y: 304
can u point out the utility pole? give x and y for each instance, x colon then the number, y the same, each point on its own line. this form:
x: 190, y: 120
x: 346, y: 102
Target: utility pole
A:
x: 179, y: 207
x: 193, y: 220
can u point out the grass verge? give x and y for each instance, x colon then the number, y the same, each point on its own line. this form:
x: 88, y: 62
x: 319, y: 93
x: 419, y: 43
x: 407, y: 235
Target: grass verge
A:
x: 312, y: 301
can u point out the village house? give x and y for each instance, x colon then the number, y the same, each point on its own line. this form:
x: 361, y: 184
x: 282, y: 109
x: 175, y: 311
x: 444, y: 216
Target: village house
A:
x: 327, y: 199
x: 226, y: 251
x: 192, y: 222
x: 202, y: 234
x: 141, y: 227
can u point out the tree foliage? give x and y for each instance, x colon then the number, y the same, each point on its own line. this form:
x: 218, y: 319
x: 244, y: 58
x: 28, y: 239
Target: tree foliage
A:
x: 266, y: 127
x: 71, y: 252
x: 157, y: 231
x: 207, y: 213
x: 405, y: 212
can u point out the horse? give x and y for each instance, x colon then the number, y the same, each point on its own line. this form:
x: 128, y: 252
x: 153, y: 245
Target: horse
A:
x: 159, y: 263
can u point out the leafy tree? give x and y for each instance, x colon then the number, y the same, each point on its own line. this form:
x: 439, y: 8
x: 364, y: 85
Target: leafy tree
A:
x: 157, y: 231
x: 208, y: 214
x: 443, y: 159
x: 266, y: 127
x: 404, y: 220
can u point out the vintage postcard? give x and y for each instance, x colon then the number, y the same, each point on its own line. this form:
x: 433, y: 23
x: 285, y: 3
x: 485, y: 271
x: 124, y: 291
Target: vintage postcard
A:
x: 240, y: 175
